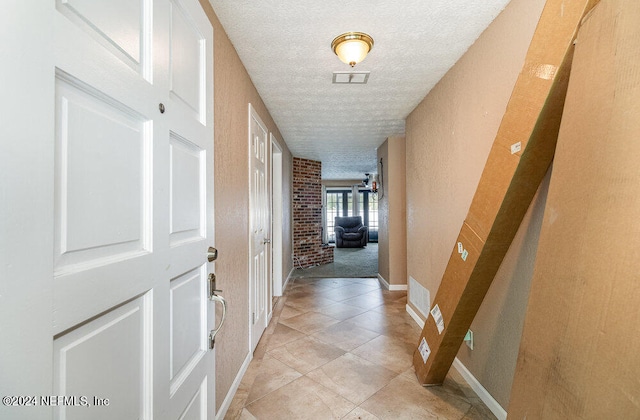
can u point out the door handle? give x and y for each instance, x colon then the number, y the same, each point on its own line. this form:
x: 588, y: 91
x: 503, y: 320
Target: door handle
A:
x: 214, y: 332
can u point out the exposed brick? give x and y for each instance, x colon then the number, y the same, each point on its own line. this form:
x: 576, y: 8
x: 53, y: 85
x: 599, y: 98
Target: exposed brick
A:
x: 307, y: 214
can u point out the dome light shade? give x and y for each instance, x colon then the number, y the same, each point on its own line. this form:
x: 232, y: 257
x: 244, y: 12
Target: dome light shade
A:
x: 352, y: 47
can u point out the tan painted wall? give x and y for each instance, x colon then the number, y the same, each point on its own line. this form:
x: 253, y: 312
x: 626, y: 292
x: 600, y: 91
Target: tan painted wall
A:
x: 383, y: 219
x: 448, y: 137
x: 392, y: 231
x: 348, y: 183
x: 233, y: 91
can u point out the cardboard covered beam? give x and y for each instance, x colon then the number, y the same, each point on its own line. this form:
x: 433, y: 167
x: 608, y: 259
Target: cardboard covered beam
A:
x: 579, y: 354
x: 519, y: 159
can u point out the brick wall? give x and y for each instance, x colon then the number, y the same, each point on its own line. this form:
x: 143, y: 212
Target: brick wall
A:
x: 308, y: 250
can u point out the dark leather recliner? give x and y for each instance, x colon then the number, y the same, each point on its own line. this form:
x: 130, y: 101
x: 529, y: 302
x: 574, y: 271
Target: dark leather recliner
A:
x: 350, y: 232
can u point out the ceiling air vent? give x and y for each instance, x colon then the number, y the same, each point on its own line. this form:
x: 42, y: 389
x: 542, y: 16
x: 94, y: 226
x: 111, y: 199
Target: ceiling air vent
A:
x: 351, y: 77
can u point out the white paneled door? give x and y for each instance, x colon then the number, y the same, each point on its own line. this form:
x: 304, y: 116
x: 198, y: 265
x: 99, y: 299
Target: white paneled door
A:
x: 260, y: 225
x: 133, y: 209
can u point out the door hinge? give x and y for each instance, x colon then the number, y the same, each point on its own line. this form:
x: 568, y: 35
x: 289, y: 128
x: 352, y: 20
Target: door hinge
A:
x: 253, y: 318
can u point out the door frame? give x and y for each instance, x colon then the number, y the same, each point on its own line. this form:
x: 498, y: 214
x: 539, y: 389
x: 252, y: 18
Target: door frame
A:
x: 26, y: 169
x: 276, y: 217
x: 253, y: 114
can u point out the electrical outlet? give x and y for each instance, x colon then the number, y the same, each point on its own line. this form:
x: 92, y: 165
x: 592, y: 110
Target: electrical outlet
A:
x: 468, y: 339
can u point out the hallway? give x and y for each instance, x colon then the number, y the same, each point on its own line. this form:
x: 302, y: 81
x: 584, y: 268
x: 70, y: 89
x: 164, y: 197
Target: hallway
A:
x: 341, y: 348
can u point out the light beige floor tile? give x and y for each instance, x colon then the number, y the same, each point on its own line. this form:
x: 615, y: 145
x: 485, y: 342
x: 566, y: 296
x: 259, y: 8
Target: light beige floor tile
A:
x: 309, y: 322
x: 236, y: 408
x: 273, y: 375
x: 405, y: 398
x: 393, y: 354
x: 353, y: 377
x: 282, y: 335
x: 245, y: 415
x: 360, y: 414
x: 299, y: 293
x: 410, y: 373
x: 479, y: 410
x: 345, y: 335
x: 301, y: 399
x: 394, y: 326
x: 309, y: 302
x: 396, y: 307
x: 454, y: 376
x: 390, y: 309
x: 376, y: 321
x: 366, y: 301
x: 341, y: 311
x: 312, y: 285
x: 307, y: 331
x: 291, y: 311
x: 372, y: 281
x: 306, y: 354
x: 340, y: 294
x: 339, y: 282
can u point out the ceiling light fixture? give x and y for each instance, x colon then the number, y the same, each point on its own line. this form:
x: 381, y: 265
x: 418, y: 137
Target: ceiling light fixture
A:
x: 352, y: 47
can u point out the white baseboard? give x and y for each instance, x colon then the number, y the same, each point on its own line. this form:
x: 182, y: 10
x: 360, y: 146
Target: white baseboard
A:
x: 234, y: 387
x: 415, y: 316
x: 383, y: 282
x: 484, y: 395
x: 391, y: 287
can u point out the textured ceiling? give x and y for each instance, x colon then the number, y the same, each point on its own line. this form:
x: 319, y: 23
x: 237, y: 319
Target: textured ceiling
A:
x: 285, y: 46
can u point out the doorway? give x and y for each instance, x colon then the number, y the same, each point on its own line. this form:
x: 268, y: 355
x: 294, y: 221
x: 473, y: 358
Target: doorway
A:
x: 259, y: 228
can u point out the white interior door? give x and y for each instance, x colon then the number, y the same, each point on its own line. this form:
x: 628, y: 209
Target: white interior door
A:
x: 260, y: 223
x: 133, y: 208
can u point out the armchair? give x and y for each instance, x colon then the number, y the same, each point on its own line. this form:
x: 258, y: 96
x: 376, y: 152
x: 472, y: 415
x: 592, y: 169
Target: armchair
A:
x: 350, y: 232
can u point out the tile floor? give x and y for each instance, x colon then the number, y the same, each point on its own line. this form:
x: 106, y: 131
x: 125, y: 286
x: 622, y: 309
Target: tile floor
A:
x: 341, y: 348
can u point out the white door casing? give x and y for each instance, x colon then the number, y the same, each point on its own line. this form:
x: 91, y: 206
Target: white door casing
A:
x: 132, y: 205
x: 26, y: 192
x: 276, y: 217
x: 259, y: 225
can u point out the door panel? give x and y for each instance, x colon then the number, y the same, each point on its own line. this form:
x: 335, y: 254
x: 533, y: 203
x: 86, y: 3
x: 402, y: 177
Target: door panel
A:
x: 94, y: 360
x: 118, y: 25
x: 188, y: 194
x: 103, y: 173
x: 188, y: 324
x: 187, y: 60
x: 197, y: 407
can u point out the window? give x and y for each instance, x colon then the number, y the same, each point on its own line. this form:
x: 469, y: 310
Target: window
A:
x: 339, y: 202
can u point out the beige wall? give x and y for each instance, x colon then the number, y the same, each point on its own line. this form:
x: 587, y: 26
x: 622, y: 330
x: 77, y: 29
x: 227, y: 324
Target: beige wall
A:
x: 233, y: 91
x: 348, y: 183
x: 287, y: 214
x: 383, y: 219
x: 392, y: 239
x: 448, y: 137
